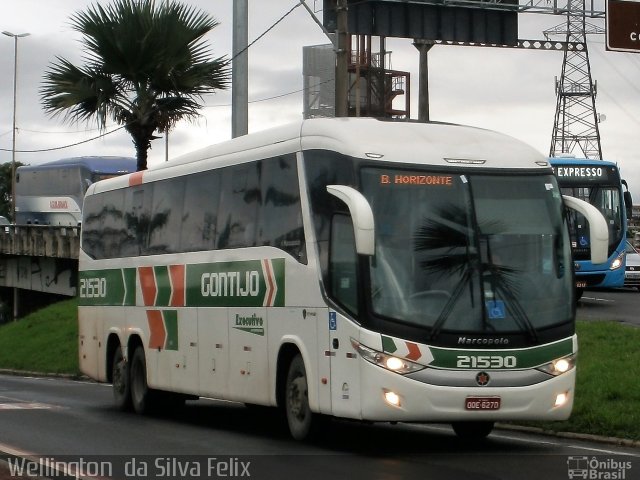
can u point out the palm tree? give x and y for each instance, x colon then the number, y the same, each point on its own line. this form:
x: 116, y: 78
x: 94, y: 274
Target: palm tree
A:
x: 147, y: 67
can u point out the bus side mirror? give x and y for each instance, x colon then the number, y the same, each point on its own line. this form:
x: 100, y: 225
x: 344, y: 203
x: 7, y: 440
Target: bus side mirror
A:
x: 628, y: 204
x: 361, y: 215
x: 598, y: 230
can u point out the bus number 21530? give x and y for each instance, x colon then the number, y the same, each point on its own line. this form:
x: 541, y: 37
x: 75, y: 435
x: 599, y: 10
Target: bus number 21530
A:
x: 486, y: 361
x: 93, y: 287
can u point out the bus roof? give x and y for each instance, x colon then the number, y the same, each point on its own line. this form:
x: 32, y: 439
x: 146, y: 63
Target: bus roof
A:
x: 420, y: 143
x: 95, y: 164
x: 397, y: 141
x: 580, y: 161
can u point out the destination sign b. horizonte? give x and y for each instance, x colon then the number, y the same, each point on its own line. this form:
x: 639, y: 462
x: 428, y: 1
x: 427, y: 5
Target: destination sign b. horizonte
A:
x: 251, y: 283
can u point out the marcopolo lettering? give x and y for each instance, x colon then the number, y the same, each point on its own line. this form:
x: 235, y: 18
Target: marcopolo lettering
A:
x: 482, y: 341
x: 230, y: 284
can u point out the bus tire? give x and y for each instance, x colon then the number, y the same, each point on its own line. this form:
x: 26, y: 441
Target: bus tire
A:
x: 121, y: 381
x: 472, y: 431
x: 301, y: 420
x: 140, y: 392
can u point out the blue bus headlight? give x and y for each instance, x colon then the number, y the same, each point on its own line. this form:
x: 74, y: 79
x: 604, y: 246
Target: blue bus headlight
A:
x: 617, y: 262
x: 386, y: 361
x: 559, y: 365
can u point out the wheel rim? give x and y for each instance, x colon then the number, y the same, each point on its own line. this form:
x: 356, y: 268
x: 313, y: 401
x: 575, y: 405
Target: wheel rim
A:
x: 137, y: 382
x: 297, y: 399
x: 119, y: 379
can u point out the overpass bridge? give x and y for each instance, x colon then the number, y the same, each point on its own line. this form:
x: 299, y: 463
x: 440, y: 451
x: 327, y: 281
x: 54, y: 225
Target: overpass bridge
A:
x: 37, y: 258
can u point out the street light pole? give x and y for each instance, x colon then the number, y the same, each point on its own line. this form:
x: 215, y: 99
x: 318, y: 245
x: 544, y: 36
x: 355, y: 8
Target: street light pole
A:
x: 13, y: 148
x: 15, y: 91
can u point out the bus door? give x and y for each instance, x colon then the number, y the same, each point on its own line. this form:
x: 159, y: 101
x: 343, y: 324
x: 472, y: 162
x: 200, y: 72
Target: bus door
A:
x: 344, y: 288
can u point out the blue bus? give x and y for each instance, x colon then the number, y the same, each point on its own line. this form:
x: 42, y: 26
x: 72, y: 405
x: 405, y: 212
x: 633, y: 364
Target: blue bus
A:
x: 597, y: 182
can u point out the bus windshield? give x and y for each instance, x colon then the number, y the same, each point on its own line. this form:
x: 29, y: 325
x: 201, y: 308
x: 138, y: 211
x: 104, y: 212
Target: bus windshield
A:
x: 474, y: 253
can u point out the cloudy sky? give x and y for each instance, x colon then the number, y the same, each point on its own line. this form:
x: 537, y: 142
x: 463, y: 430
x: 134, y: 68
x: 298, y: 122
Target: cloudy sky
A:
x: 508, y: 90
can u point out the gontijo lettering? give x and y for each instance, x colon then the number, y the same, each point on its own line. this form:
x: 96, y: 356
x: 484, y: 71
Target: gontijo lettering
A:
x: 230, y: 284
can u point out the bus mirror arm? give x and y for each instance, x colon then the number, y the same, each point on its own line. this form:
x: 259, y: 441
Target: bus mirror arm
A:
x: 361, y: 215
x: 598, y: 230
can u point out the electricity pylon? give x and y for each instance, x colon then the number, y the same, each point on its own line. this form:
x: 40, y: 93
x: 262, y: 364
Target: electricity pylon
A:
x: 576, y: 120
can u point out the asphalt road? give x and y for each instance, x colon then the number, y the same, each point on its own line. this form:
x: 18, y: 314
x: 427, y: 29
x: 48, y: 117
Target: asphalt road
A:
x: 74, y: 422
x: 621, y: 305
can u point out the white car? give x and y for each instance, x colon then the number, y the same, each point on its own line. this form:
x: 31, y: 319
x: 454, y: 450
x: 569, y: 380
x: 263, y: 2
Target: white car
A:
x: 632, y: 270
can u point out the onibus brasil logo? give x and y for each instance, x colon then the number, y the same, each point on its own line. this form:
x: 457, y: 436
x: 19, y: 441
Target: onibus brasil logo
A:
x: 598, y: 468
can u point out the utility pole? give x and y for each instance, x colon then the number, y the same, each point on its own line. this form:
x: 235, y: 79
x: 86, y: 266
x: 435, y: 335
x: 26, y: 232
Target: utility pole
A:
x: 576, y: 120
x: 342, y: 61
x: 240, y: 70
x: 16, y: 296
x: 423, y: 47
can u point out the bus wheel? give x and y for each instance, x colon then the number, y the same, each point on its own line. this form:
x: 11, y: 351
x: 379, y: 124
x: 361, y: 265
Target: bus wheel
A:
x: 140, y: 393
x: 472, y: 431
x: 299, y: 416
x: 121, y: 381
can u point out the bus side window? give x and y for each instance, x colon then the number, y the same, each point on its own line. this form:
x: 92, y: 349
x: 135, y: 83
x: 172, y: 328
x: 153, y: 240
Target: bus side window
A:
x: 137, y: 219
x: 239, y: 203
x: 166, y: 216
x: 200, y: 212
x: 343, y: 263
x: 280, y: 219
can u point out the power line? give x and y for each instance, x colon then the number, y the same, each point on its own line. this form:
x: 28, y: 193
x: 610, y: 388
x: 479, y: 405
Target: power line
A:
x: 274, y: 97
x: 64, y: 146
x: 265, y: 32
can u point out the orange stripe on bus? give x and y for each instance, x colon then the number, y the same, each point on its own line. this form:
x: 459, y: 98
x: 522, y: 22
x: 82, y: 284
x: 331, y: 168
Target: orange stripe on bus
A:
x: 157, y: 332
x: 177, y: 285
x: 148, y: 285
x: 135, y: 179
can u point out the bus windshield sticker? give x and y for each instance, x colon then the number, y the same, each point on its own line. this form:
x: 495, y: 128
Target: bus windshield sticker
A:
x: 333, y: 322
x: 495, y: 309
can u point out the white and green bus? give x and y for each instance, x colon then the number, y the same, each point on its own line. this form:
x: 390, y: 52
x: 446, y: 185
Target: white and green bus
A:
x: 351, y: 268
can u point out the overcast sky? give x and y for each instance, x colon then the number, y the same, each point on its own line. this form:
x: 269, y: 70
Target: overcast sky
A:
x: 507, y: 90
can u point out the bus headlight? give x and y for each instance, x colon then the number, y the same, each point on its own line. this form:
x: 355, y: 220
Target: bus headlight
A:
x: 617, y: 262
x: 386, y: 361
x: 559, y: 366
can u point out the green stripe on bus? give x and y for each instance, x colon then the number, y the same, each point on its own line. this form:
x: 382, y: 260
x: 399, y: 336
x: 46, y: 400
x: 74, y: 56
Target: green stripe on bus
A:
x: 107, y: 287
x: 129, y: 281
x: 163, y: 284
x: 524, y: 358
x: 170, y: 318
x: 235, y: 284
x: 250, y: 283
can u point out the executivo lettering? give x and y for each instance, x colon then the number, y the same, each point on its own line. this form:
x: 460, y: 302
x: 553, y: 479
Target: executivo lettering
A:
x: 251, y: 324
